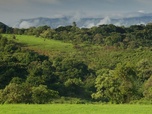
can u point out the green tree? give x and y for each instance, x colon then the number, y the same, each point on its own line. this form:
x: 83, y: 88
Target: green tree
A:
x: 41, y: 73
x: 148, y: 89
x: 13, y: 93
x: 107, y: 89
x: 144, y: 69
x: 126, y: 76
x: 98, y: 39
x: 74, y: 24
x: 74, y: 86
x: 42, y: 94
x: 118, y: 86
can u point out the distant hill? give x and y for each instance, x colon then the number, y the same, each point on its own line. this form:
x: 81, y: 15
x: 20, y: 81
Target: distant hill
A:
x: 83, y: 22
x: 4, y: 28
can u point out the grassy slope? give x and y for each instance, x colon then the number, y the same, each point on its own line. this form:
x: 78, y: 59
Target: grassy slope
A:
x: 75, y: 109
x: 42, y: 45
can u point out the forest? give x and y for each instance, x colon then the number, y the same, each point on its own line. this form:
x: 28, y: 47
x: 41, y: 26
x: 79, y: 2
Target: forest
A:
x: 107, y: 64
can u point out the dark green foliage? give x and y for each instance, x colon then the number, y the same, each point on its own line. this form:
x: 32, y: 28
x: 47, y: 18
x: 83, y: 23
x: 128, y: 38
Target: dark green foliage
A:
x: 41, y: 94
x: 144, y: 68
x: 148, y: 89
x: 5, y: 29
x: 72, y: 73
x: 109, y: 64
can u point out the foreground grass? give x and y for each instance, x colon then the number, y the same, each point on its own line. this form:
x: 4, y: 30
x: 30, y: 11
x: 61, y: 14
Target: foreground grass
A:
x: 75, y: 109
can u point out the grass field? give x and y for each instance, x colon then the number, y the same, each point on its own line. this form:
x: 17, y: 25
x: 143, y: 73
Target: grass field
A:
x: 41, y: 44
x: 75, y: 109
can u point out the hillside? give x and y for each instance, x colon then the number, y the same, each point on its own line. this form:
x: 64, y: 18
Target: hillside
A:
x: 68, y: 64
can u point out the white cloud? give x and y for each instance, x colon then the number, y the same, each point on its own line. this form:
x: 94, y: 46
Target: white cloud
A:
x: 141, y: 11
x: 106, y: 20
x: 103, y: 21
x: 25, y: 24
x: 89, y: 25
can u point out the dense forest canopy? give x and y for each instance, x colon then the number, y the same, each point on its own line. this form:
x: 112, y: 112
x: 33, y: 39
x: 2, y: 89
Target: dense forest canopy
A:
x: 110, y: 64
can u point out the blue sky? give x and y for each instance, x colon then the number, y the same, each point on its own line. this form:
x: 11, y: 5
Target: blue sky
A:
x: 14, y: 10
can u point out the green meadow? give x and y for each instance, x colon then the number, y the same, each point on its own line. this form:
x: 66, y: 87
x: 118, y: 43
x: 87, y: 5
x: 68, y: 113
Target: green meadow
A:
x: 38, y: 43
x: 75, y: 109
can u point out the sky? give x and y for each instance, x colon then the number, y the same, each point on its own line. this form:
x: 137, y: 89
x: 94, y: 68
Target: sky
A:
x: 14, y: 10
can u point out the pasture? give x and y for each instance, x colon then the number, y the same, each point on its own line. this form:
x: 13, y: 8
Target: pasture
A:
x: 42, y: 44
x: 74, y: 109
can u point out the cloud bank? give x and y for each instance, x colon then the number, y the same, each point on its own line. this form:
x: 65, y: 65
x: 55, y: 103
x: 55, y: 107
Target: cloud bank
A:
x: 13, y: 10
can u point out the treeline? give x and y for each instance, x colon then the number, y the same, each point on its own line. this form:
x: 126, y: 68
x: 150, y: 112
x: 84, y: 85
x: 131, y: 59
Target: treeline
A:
x: 119, y: 75
x: 106, y: 35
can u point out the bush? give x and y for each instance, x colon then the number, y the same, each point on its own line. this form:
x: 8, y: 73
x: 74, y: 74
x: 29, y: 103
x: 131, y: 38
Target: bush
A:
x: 41, y: 94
